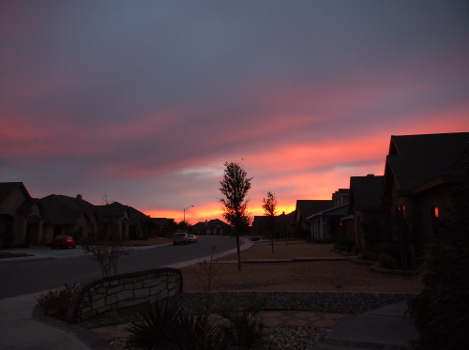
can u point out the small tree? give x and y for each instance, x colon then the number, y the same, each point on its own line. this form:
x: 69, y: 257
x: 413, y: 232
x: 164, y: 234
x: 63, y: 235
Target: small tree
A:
x: 105, y: 251
x: 234, y: 187
x: 270, y: 208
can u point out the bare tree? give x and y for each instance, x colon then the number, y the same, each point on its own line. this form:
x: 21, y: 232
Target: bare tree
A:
x: 270, y: 208
x: 105, y: 251
x: 234, y: 187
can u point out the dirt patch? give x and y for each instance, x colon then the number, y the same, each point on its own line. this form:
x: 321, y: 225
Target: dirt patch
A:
x: 296, y: 276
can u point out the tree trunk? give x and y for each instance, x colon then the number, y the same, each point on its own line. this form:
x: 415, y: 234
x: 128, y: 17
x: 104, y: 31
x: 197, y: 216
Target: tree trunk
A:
x: 239, y: 252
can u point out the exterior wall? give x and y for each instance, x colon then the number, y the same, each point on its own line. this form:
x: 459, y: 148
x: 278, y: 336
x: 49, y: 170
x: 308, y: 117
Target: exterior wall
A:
x: 108, y: 295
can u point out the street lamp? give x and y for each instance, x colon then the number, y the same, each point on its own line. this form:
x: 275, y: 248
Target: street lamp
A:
x: 190, y: 206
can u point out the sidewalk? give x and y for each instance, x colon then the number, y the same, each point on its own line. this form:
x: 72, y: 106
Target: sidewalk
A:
x: 21, y: 328
x: 382, y: 328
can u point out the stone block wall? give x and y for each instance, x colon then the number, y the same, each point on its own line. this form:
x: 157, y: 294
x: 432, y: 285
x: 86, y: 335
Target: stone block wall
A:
x: 108, y: 295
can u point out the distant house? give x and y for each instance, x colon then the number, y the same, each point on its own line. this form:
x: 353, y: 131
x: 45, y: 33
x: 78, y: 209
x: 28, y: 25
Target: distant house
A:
x: 163, y: 226
x: 326, y: 223
x: 365, y: 209
x: 212, y: 227
x: 114, y: 220
x: 306, y: 208
x: 20, y: 216
x: 66, y: 215
x: 140, y: 224
x: 419, y: 174
x: 284, y: 223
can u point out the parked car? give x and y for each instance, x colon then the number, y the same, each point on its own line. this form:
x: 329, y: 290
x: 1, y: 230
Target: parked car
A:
x: 192, y: 238
x: 63, y: 242
x: 181, y: 238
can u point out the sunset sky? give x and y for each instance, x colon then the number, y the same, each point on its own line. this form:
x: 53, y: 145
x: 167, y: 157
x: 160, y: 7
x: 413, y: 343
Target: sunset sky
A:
x: 142, y: 102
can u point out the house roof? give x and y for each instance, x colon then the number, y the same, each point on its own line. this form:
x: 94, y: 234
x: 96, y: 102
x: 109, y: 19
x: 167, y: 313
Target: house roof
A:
x: 7, y: 188
x: 339, y: 210
x: 365, y: 192
x: 65, y: 210
x: 306, y: 208
x: 415, y: 160
x: 210, y: 224
x: 136, y: 217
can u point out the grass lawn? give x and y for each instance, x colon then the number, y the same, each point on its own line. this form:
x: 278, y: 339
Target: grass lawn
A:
x: 296, y: 276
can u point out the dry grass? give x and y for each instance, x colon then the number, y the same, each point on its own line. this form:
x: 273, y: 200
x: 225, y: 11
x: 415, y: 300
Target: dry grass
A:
x: 297, y: 276
x: 151, y: 241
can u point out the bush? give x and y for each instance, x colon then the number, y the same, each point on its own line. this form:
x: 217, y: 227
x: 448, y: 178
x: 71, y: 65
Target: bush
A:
x: 368, y: 256
x: 56, y: 302
x: 244, y: 328
x: 356, y: 250
x: 387, y: 262
x: 157, y: 323
x: 347, y: 242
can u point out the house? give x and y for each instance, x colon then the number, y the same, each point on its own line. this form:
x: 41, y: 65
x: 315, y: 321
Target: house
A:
x: 66, y: 215
x: 212, y: 227
x: 366, y: 213
x: 306, y: 208
x: 20, y: 216
x: 419, y: 174
x: 163, y: 226
x: 140, y: 225
x: 114, y: 220
x: 285, y: 224
x: 326, y: 223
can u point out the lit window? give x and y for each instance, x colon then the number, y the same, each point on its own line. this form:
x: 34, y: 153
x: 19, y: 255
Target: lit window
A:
x: 402, y: 211
x: 436, y: 212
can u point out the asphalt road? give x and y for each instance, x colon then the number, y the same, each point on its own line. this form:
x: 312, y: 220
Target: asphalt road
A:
x: 49, y: 269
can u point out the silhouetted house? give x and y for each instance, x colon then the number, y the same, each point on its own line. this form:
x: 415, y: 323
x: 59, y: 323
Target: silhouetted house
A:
x: 284, y: 225
x: 164, y: 226
x: 212, y: 227
x: 114, y: 220
x: 365, y: 209
x: 306, y: 208
x: 20, y: 216
x: 140, y: 225
x: 420, y: 171
x: 66, y: 215
x: 326, y: 223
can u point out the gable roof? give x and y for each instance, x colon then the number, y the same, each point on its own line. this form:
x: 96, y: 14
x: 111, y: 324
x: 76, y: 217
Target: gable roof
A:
x: 136, y: 217
x: 415, y: 160
x: 7, y: 188
x: 365, y: 192
x: 65, y: 210
x: 340, y: 210
x: 306, y: 208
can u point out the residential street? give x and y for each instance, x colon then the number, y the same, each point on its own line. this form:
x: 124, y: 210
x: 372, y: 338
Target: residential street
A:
x: 49, y: 268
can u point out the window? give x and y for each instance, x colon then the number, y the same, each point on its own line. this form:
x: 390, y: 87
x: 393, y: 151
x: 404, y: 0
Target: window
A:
x: 401, y: 211
x: 435, y: 212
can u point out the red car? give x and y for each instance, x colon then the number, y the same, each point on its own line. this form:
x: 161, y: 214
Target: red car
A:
x: 63, y: 242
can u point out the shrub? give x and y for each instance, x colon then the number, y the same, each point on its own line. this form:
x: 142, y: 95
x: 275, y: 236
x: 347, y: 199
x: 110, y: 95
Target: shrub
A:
x: 356, y: 250
x: 387, y: 262
x: 244, y: 328
x: 347, y: 242
x: 157, y: 322
x: 254, y: 239
x: 56, y: 302
x: 368, y: 256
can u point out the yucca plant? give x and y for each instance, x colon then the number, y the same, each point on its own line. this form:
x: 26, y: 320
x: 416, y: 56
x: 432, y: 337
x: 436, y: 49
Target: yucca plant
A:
x: 244, y: 327
x: 158, y: 325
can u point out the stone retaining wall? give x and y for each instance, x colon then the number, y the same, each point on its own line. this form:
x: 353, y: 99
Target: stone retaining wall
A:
x: 108, y: 295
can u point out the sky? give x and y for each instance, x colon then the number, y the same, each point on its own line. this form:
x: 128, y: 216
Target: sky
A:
x: 142, y: 102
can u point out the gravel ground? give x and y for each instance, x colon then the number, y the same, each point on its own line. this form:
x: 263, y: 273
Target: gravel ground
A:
x: 295, y: 338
